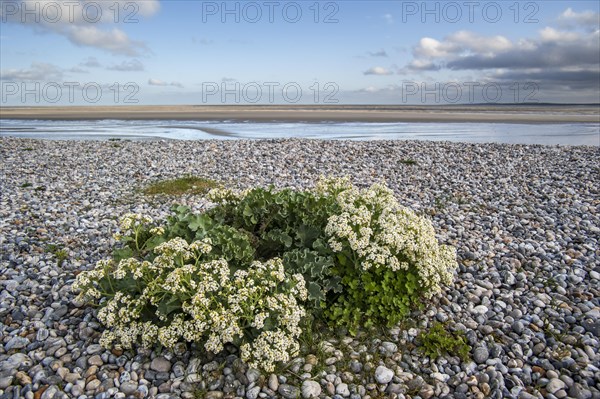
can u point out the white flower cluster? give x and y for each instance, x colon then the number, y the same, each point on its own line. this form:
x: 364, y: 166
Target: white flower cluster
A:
x: 225, y: 196
x: 131, y: 223
x: 379, y: 232
x: 212, y: 305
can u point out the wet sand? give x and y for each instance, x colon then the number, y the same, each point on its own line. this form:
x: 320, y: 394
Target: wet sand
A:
x: 317, y: 113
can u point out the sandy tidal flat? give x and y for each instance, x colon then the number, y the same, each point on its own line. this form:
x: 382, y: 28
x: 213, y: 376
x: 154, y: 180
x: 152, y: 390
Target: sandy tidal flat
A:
x: 404, y: 113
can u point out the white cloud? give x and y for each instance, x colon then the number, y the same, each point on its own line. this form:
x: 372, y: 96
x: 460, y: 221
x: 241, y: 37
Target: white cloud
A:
x: 81, y: 21
x: 467, y: 50
x: 379, y: 53
x: 549, y: 34
x: 77, y: 69
x: 461, y: 42
x: 115, y: 41
x: 90, y: 62
x: 474, y: 42
x: 586, y: 18
x: 381, y: 71
x: 370, y: 89
x: 569, y: 58
x: 38, y: 71
x: 423, y: 65
x: 431, y: 48
x: 158, y: 82
x: 128, y: 66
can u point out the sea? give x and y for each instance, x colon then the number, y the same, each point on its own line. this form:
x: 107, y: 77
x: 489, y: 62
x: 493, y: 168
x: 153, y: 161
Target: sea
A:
x: 511, y: 133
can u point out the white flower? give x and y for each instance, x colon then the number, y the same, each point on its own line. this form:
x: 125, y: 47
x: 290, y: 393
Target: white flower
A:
x: 382, y: 233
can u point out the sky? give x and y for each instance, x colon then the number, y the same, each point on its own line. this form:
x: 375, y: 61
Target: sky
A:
x: 146, y: 52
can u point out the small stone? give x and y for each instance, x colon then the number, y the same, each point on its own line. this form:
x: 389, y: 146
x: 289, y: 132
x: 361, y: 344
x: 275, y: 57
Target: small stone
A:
x: 383, y: 375
x: 560, y: 394
x: 180, y: 349
x: 161, y: 365
x: 253, y: 392
x: 50, y: 392
x: 538, y: 348
x: 426, y: 392
x: 388, y: 348
x: 440, y: 377
x: 330, y: 361
x: 42, y: 334
x: 288, y: 391
x: 213, y: 395
x: 462, y: 388
x: 23, y: 378
x: 5, y: 382
x: 273, y: 383
x: 485, y: 388
x: 480, y: 310
x: 555, y: 385
x: 129, y: 388
x: 356, y: 366
x: 252, y: 375
x: 93, y: 385
x: 342, y: 389
x: 95, y: 360
x: 518, y: 327
x: 16, y: 342
x: 577, y: 391
x: 193, y: 378
x: 416, y: 383
x: 124, y: 377
x: 15, y: 361
x: 93, y: 349
x: 311, y: 359
x: 76, y: 390
x: 481, y: 355
x: 526, y: 395
x: 310, y: 389
x: 142, y: 391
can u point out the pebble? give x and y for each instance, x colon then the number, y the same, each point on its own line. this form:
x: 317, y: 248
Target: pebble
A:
x: 160, y: 364
x: 288, y: 391
x: 273, y: 382
x: 311, y: 389
x: 383, y: 375
x: 554, y: 385
x: 481, y: 355
x: 253, y: 392
x: 342, y: 390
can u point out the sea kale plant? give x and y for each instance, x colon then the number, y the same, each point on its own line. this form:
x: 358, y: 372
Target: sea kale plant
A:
x: 247, y: 271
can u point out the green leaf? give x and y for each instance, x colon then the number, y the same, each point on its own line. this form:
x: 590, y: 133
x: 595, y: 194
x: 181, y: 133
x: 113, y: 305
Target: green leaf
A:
x: 122, y: 253
x: 169, y: 306
x: 155, y: 242
x: 314, y: 292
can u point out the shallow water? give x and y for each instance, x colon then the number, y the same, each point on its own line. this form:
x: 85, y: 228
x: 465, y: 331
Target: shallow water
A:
x: 547, y: 134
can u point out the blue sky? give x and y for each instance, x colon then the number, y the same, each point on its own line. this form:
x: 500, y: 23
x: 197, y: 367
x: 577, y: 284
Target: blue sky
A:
x: 215, y: 52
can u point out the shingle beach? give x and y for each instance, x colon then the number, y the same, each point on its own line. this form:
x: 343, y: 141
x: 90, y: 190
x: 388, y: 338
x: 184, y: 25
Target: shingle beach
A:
x: 525, y: 221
